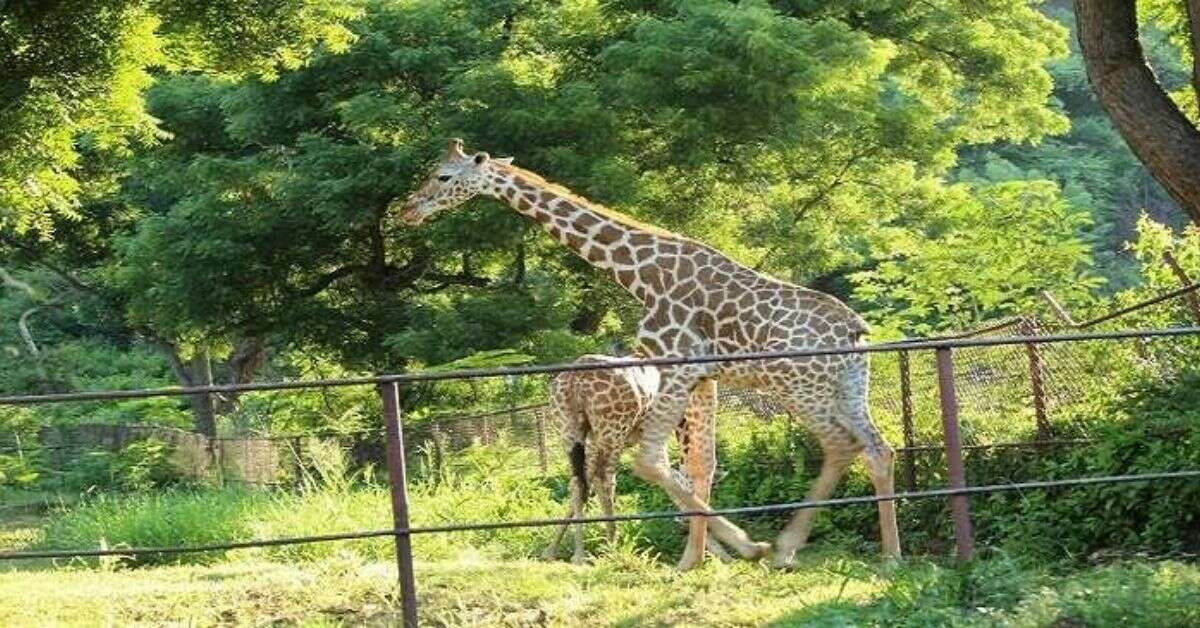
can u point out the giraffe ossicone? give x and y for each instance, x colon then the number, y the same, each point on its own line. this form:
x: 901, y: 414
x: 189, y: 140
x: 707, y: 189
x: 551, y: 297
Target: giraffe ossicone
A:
x: 700, y: 302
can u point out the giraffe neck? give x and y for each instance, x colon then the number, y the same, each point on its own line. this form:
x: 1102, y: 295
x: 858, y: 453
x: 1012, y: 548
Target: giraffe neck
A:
x: 638, y: 257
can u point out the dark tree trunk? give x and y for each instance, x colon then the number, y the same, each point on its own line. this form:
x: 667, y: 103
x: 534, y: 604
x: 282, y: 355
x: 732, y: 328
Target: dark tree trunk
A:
x: 247, y: 357
x: 1155, y: 129
x: 196, y: 372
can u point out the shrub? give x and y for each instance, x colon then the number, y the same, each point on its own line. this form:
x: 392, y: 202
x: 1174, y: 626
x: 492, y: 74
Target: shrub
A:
x: 20, y: 455
x: 1152, y: 426
x: 139, y: 466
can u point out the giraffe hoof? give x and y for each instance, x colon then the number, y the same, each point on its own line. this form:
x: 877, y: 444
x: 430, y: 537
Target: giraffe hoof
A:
x: 760, y: 550
x: 783, y: 564
x: 783, y: 560
x: 550, y: 554
x: 687, y: 563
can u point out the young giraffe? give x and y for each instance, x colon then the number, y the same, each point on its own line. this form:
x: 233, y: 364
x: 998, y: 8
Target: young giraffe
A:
x: 699, y: 302
x: 599, y: 415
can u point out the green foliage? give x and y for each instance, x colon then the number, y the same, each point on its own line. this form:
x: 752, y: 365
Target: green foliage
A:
x: 990, y: 251
x: 756, y: 127
x: 1151, y: 427
x: 142, y: 465
x: 19, y: 454
x: 1091, y: 163
x: 75, y: 72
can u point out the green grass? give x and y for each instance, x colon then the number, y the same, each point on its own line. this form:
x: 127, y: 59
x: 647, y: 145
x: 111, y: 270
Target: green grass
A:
x: 487, y: 578
x: 619, y: 589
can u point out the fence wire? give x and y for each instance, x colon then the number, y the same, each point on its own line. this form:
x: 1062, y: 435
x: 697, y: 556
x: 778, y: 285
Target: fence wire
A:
x: 617, y: 518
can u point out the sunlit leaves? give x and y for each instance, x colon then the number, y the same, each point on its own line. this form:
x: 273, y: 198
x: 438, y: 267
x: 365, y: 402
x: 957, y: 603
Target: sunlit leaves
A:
x: 989, y: 251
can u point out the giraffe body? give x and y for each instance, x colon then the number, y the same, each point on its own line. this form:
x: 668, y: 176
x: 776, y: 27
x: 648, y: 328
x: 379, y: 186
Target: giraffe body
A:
x: 599, y: 414
x: 699, y: 302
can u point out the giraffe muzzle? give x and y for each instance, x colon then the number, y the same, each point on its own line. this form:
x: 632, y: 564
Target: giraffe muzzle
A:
x: 411, y: 217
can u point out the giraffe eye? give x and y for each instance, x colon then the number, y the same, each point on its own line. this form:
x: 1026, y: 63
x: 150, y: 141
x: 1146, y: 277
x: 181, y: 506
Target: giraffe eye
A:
x: 443, y: 178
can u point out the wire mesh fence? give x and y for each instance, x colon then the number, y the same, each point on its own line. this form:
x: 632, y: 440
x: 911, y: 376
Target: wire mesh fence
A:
x: 1031, y: 386
x: 988, y: 389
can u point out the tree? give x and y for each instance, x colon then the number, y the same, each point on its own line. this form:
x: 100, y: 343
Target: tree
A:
x: 74, y: 71
x: 1152, y: 124
x: 810, y: 139
x: 990, y: 251
x: 74, y: 116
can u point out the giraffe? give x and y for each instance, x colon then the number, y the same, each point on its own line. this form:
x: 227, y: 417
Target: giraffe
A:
x: 599, y: 415
x: 698, y: 302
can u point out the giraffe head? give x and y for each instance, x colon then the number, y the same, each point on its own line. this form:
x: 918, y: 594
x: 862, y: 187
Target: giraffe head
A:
x: 456, y: 179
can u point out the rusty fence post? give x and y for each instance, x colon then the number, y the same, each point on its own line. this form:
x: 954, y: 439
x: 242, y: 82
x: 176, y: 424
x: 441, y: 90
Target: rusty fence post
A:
x: 960, y: 510
x: 390, y: 393
x: 1037, y: 381
x: 906, y: 422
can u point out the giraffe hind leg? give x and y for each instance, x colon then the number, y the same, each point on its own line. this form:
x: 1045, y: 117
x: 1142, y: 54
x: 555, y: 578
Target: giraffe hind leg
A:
x: 879, y: 455
x: 837, y: 457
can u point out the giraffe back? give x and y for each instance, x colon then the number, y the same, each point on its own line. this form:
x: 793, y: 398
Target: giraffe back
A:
x: 604, y: 406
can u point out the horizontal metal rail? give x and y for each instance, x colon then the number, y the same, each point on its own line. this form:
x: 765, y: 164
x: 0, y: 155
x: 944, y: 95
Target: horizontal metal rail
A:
x: 532, y: 523
x: 1033, y: 444
x: 1166, y: 296
x: 560, y: 368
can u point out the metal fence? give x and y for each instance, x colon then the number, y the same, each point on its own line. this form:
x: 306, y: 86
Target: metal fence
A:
x: 947, y: 387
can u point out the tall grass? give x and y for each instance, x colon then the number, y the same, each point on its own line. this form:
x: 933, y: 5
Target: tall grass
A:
x: 492, y: 483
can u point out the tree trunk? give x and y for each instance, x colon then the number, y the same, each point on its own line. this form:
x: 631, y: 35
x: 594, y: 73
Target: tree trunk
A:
x: 248, y: 356
x: 1155, y: 129
x: 196, y: 372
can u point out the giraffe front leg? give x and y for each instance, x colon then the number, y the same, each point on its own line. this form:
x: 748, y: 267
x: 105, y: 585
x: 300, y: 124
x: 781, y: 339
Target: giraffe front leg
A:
x: 795, y: 534
x: 698, y: 443
x: 652, y: 465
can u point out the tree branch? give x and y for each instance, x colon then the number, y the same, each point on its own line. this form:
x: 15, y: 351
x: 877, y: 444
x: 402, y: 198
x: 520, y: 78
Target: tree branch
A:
x: 26, y: 335
x: 822, y: 194
x: 327, y: 280
x: 37, y: 258
x: 23, y: 321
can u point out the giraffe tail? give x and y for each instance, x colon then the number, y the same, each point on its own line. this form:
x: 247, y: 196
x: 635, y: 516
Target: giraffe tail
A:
x: 578, y: 453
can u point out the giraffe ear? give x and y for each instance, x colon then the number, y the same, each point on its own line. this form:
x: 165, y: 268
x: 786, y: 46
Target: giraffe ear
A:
x: 481, y: 158
x: 503, y: 160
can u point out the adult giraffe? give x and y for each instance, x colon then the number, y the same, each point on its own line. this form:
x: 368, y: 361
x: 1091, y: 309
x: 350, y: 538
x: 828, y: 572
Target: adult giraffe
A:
x: 699, y: 302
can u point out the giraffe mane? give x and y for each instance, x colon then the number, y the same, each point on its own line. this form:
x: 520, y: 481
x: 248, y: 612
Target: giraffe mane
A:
x: 612, y: 214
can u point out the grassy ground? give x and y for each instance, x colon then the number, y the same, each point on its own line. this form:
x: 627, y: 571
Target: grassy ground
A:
x: 619, y: 590
x: 343, y: 585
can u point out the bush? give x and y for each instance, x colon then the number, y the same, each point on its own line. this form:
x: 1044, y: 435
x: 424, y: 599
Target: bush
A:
x: 1152, y: 426
x: 20, y: 455
x: 139, y: 466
